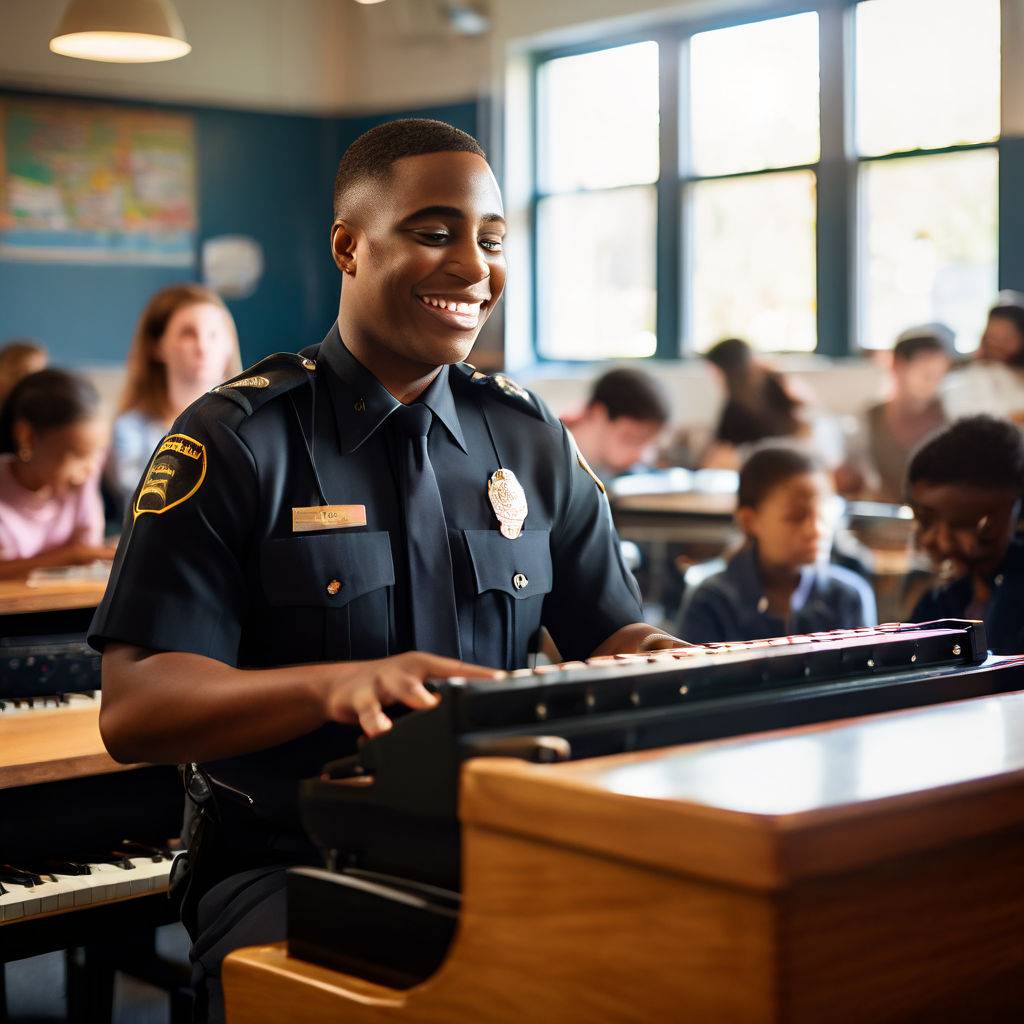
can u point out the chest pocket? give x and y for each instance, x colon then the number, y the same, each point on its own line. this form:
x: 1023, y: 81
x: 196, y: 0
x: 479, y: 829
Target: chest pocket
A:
x: 510, y: 578
x: 329, y: 596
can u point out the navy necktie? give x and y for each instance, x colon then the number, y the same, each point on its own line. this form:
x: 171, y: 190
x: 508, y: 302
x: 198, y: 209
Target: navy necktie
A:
x: 435, y: 624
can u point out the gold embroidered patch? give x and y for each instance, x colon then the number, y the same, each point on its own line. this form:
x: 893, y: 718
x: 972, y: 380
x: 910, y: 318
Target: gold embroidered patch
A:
x: 175, y: 473
x: 246, y: 382
x: 510, y: 387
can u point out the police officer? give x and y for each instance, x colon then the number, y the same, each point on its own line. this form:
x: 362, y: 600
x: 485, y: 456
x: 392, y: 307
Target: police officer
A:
x: 317, y: 537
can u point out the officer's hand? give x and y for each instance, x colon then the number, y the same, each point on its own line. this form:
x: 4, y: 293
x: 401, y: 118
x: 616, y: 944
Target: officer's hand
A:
x: 361, y: 695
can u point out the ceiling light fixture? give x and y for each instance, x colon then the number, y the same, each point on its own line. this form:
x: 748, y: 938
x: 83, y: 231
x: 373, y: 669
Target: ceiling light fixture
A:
x: 121, y: 31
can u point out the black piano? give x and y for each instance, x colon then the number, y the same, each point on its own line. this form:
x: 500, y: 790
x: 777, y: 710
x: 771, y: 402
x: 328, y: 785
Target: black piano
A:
x: 386, y: 904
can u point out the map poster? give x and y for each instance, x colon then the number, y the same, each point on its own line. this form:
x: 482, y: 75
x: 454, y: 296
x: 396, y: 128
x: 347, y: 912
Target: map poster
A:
x: 95, y: 183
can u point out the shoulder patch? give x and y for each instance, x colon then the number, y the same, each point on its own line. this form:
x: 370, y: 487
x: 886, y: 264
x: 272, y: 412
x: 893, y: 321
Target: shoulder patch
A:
x: 175, y: 473
x: 265, y: 380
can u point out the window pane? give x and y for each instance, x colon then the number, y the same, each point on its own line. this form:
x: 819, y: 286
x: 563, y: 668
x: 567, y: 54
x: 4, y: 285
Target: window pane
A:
x: 598, y: 117
x: 927, y: 74
x: 595, y: 274
x: 754, y: 95
x: 753, y: 260
x: 930, y: 248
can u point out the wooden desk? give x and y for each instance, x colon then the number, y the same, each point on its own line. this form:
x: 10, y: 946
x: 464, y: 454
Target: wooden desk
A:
x: 45, y: 746
x: 17, y: 597
x: 866, y: 871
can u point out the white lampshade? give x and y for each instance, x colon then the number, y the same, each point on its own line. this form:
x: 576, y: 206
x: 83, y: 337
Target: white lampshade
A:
x: 121, y: 31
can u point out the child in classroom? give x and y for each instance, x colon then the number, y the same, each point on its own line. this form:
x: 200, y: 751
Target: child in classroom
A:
x: 52, y: 440
x: 780, y: 582
x: 965, y: 489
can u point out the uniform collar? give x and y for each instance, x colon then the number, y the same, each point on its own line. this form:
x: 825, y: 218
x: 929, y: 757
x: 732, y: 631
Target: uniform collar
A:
x: 361, y: 403
x: 743, y: 568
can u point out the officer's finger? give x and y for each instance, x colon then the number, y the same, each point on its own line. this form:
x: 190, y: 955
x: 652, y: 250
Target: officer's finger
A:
x: 372, y: 719
x: 409, y: 690
x: 433, y: 666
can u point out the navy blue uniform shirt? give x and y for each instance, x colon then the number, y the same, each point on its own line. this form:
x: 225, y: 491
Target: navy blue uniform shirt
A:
x: 1004, y: 616
x: 731, y: 605
x: 211, y: 565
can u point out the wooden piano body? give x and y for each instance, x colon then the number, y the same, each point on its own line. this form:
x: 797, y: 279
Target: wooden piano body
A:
x: 865, y: 870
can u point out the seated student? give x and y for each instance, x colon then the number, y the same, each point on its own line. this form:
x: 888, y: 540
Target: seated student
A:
x: 965, y: 488
x: 877, y: 456
x: 617, y: 430
x: 992, y: 381
x: 185, y: 343
x: 18, y: 358
x: 50, y: 509
x: 759, y: 404
x: 779, y: 583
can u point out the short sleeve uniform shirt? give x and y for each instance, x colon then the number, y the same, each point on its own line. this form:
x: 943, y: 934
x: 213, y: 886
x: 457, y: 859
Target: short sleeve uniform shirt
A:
x: 211, y: 564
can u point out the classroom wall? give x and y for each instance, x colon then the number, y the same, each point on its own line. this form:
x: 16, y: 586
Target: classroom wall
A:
x: 269, y: 176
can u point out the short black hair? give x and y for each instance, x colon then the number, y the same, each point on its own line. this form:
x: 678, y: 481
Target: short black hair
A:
x: 976, y: 451
x: 1009, y: 307
x: 918, y: 341
x: 47, y: 400
x: 373, y: 153
x: 632, y: 393
x: 767, y: 467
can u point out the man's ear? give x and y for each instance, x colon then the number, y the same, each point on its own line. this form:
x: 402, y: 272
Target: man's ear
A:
x: 343, y: 247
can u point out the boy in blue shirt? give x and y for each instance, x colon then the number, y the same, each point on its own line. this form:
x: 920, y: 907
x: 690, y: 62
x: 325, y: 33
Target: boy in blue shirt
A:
x: 780, y: 582
x: 965, y: 488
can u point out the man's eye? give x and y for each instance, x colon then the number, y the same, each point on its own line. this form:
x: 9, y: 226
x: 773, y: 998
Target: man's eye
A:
x: 491, y: 244
x: 433, y: 237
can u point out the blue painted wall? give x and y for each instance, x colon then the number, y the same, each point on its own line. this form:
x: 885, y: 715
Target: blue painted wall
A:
x: 265, y: 175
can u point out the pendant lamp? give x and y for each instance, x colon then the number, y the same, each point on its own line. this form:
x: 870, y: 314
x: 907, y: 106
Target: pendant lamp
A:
x: 121, y: 31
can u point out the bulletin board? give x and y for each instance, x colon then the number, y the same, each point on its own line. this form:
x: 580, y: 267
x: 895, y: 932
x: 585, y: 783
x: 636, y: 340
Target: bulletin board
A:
x: 96, y: 183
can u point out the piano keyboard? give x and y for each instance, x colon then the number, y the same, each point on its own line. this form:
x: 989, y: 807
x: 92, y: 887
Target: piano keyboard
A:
x: 56, y: 891
x: 10, y: 706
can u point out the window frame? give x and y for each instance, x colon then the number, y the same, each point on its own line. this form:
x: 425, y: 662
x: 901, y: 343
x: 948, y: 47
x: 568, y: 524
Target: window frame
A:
x: 838, y: 238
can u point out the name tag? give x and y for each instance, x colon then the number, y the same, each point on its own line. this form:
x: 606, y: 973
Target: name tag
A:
x: 327, y: 517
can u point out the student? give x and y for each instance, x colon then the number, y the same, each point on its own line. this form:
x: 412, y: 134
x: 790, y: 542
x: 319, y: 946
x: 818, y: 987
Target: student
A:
x: 992, y: 381
x: 184, y: 344
x: 965, y: 488
x: 759, y: 404
x: 18, y: 358
x: 620, y: 424
x: 877, y: 457
x: 317, y: 538
x: 779, y: 583
x: 53, y: 440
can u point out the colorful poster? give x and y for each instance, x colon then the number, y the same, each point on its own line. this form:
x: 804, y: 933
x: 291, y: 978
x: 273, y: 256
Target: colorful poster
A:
x: 96, y: 183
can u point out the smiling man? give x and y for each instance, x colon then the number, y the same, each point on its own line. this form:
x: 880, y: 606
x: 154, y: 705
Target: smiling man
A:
x: 319, y: 536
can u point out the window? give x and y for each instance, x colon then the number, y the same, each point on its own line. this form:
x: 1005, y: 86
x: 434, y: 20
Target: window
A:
x: 753, y: 107
x: 928, y: 240
x: 817, y: 180
x: 596, y: 211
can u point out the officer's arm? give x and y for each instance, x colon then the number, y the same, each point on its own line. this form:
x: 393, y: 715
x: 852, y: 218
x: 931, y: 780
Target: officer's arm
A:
x: 638, y: 638
x: 173, y: 707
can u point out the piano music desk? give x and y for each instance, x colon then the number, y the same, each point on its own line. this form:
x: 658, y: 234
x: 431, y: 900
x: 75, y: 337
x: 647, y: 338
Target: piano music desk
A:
x: 45, y: 745
x: 17, y: 597
x: 858, y: 871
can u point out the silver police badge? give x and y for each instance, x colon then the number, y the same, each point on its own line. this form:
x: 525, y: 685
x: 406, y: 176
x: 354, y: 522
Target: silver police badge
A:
x: 508, y: 499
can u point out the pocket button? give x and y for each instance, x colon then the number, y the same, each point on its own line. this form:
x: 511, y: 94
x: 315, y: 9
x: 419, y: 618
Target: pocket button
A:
x: 333, y: 587
x: 519, y: 581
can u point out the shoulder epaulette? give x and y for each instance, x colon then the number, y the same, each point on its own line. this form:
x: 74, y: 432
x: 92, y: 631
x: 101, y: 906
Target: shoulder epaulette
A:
x: 265, y: 380
x: 502, y: 387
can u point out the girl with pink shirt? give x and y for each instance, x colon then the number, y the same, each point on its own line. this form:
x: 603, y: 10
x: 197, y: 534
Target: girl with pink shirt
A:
x: 52, y: 440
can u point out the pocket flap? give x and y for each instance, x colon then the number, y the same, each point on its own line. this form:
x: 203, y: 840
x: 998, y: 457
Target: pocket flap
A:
x: 520, y: 567
x: 325, y: 569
